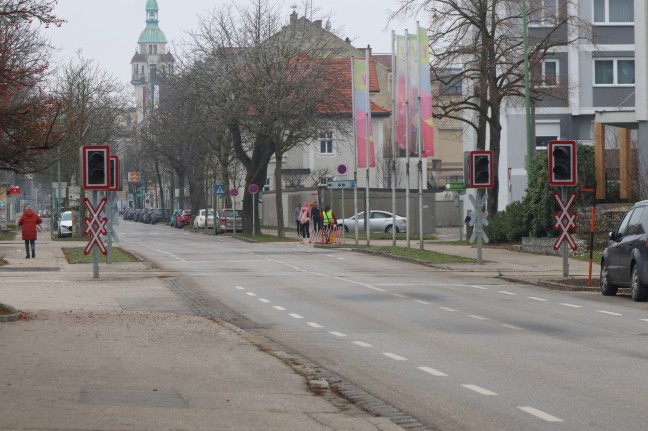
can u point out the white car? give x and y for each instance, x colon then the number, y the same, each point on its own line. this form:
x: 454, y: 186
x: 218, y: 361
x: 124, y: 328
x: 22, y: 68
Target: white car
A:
x: 380, y: 221
x: 65, y: 224
x: 202, y: 217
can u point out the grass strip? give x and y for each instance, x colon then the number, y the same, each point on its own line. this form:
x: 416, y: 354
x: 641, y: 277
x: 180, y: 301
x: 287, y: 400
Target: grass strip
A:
x: 75, y: 255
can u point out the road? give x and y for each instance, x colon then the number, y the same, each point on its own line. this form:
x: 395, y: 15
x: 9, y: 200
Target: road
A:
x: 453, y: 351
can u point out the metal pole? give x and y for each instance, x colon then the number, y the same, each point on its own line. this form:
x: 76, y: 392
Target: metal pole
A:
x: 565, y: 250
x: 355, y: 157
x: 527, y: 90
x: 419, y: 141
x: 407, y: 136
x: 253, y: 216
x: 393, y: 137
x: 95, y: 253
x: 367, y: 147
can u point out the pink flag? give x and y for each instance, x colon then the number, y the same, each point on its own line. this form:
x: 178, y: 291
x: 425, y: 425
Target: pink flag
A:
x: 362, y: 112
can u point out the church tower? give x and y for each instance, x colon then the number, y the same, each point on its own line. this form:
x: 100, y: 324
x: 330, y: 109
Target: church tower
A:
x: 150, y: 64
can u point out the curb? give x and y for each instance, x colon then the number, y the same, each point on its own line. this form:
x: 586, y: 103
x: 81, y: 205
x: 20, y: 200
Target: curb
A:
x: 15, y: 314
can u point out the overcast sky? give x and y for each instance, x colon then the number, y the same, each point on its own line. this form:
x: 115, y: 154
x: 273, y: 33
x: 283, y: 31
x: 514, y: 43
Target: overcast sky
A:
x: 107, y: 31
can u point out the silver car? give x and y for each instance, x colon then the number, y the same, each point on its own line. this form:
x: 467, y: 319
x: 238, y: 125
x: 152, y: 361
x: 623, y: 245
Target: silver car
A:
x: 379, y: 221
x: 65, y: 224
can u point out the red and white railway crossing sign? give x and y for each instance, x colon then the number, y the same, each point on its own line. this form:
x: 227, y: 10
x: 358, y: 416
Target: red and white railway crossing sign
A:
x: 565, y: 221
x: 95, y: 226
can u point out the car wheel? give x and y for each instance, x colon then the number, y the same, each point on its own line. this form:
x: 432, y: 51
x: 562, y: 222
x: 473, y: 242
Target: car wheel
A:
x: 346, y: 228
x: 606, y: 288
x: 639, y: 291
x: 388, y: 229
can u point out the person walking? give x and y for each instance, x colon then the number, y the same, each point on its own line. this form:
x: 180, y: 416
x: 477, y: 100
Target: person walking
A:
x: 304, y: 220
x: 316, y: 215
x: 329, y: 222
x: 29, y: 221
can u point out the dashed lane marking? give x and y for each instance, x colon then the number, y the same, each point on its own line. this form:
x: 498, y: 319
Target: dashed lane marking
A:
x: 517, y: 328
x: 506, y: 292
x: 432, y: 371
x: 279, y: 307
x: 295, y: 316
x: 479, y: 287
x: 239, y: 287
x: 337, y: 334
x: 609, y: 313
x: 474, y: 316
x: 571, y: 305
x: 361, y: 344
x: 250, y: 293
x: 265, y: 301
x: 479, y: 390
x: 540, y: 414
x: 536, y: 299
x: 398, y: 295
x: 394, y: 356
x: 422, y: 302
x: 314, y: 325
x: 447, y: 309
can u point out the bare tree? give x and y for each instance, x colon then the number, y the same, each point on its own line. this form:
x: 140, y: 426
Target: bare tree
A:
x: 267, y: 83
x: 28, y: 11
x: 485, y: 38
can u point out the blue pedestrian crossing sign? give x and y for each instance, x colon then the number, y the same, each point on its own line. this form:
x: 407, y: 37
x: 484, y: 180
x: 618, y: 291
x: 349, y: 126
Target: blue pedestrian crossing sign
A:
x: 219, y: 189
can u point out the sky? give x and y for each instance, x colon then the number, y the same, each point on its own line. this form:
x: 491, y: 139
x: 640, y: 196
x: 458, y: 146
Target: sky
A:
x: 108, y: 30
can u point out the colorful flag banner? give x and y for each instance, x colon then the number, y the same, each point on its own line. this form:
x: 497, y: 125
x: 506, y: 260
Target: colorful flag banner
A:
x: 362, y: 111
x: 425, y: 88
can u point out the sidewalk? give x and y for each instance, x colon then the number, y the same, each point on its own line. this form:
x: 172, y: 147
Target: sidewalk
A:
x: 123, y: 352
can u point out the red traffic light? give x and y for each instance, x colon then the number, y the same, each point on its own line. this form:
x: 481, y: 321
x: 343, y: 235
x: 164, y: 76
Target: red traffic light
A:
x: 95, y: 167
x: 481, y: 169
x: 562, y: 163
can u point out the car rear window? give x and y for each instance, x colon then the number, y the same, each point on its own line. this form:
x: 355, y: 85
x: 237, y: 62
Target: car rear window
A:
x: 230, y: 213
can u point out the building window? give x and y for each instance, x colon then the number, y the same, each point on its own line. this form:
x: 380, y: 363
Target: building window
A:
x: 610, y: 72
x: 545, y: 74
x: 267, y: 185
x: 543, y: 13
x: 450, y: 83
x: 613, y: 11
x: 326, y: 143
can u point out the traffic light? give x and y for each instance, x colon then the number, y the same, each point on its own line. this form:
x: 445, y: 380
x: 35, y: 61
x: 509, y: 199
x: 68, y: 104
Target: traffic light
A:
x: 95, y: 166
x: 562, y: 163
x: 115, y: 178
x: 481, y: 169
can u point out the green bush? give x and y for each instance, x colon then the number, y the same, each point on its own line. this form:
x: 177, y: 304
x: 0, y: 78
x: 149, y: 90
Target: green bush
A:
x: 509, y: 225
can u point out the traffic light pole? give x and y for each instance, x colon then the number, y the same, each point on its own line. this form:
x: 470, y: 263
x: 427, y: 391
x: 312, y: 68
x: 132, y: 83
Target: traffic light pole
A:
x: 95, y: 253
x: 564, y: 246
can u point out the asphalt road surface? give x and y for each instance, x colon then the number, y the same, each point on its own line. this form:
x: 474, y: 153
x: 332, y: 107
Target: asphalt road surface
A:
x: 454, y: 351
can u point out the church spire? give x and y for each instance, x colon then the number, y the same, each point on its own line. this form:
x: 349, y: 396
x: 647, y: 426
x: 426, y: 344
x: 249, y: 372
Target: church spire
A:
x: 152, y: 33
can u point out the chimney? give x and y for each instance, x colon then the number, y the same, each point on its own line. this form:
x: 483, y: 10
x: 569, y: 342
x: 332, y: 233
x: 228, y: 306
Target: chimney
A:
x: 318, y: 23
x: 293, y: 18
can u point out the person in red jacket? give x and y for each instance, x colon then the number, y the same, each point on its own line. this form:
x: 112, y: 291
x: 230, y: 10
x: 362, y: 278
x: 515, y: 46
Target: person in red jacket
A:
x: 29, y: 221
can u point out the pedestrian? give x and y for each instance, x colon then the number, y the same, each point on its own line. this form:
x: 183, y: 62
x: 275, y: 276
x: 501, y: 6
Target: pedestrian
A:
x: 316, y: 215
x: 330, y: 221
x: 304, y: 220
x: 296, y: 213
x: 29, y: 221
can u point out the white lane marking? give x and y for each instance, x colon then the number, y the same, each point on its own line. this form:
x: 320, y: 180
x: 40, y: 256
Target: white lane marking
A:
x: 479, y: 390
x: 505, y: 292
x: 473, y: 316
x: 536, y: 299
x: 265, y: 301
x: 540, y: 414
x: 295, y: 315
x: 432, y: 371
x: 337, y: 334
x: 571, y: 305
x: 250, y: 293
x: 645, y: 320
x: 517, y: 328
x: 398, y: 295
x: 314, y: 325
x: 361, y: 344
x: 279, y: 307
x: 422, y: 302
x: 159, y: 251
x: 609, y: 312
x: 479, y: 287
x: 394, y: 356
x: 447, y: 309
x: 239, y: 287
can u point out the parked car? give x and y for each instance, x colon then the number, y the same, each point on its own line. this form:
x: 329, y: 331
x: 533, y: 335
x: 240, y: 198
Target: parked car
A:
x: 199, y: 221
x: 146, y: 215
x: 157, y: 215
x: 172, y: 220
x: 184, y: 219
x: 229, y: 218
x: 625, y: 259
x: 65, y: 224
x: 379, y: 221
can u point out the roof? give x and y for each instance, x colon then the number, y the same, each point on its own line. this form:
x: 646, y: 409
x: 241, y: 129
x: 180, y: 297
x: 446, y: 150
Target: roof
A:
x: 152, y: 34
x: 138, y: 58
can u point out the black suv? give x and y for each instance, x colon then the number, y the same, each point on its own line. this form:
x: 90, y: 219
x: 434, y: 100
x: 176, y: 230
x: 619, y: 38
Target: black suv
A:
x: 625, y: 259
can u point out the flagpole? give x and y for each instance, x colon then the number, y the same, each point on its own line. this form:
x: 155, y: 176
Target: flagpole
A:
x: 355, y: 150
x: 407, y: 135
x: 367, y: 145
x: 419, y: 139
x: 393, y: 138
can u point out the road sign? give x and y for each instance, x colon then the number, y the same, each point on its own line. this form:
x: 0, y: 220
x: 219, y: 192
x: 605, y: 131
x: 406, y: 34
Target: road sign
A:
x: 95, y: 226
x: 14, y: 191
x: 253, y: 189
x: 565, y: 222
x: 219, y: 189
x: 455, y: 186
x: 133, y: 177
x: 347, y: 184
x: 233, y: 193
x: 342, y: 169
